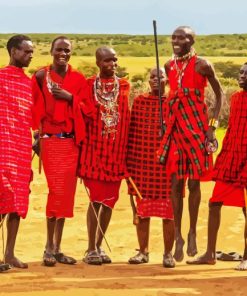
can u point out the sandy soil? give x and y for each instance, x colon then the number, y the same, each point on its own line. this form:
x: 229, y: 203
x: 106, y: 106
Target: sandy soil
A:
x: 120, y: 278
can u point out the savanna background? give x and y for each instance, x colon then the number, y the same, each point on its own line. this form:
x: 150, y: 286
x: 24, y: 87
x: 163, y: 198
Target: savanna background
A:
x: 136, y: 58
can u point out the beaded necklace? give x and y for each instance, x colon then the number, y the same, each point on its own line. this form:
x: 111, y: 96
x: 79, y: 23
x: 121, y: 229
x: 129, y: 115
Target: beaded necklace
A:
x: 106, y: 95
x: 184, y: 63
x: 49, y: 82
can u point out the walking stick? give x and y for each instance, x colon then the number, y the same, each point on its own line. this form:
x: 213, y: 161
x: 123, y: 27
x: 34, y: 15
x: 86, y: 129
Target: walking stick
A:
x: 132, y: 202
x: 97, y: 219
x: 158, y: 75
x: 245, y: 230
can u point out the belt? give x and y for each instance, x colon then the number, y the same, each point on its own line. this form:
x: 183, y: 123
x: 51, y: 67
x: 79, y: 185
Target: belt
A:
x: 60, y: 135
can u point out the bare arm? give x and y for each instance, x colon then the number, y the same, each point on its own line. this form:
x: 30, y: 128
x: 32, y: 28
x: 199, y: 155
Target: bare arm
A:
x: 206, y: 69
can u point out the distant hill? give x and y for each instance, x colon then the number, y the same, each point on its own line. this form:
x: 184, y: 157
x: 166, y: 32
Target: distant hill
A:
x: 142, y: 45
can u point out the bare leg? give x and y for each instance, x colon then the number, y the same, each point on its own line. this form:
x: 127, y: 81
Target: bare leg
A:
x: 50, y: 225
x: 168, y: 235
x: 105, y: 214
x: 213, y: 227
x: 194, y: 203
x: 13, y: 222
x: 58, y: 234
x: 243, y: 263
x: 142, y: 230
x: 92, y: 224
x: 177, y: 202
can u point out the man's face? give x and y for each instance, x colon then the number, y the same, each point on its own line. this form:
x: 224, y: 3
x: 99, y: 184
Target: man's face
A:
x: 181, y: 43
x: 154, y: 83
x: 23, y: 55
x: 61, y: 52
x: 242, y: 77
x: 107, y: 63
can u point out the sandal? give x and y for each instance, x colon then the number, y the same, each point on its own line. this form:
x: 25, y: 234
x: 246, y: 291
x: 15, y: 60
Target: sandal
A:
x: 139, y: 258
x: 61, y: 258
x: 93, y: 258
x: 104, y: 258
x: 168, y: 261
x: 4, y: 267
x: 49, y: 259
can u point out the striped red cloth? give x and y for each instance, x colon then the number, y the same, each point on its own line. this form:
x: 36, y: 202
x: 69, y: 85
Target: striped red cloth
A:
x: 60, y: 159
x: 186, y: 123
x: 103, y: 156
x: 15, y: 140
x: 149, y: 176
x: 231, y: 163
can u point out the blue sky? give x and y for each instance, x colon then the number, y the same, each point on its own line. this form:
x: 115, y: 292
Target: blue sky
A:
x: 124, y: 16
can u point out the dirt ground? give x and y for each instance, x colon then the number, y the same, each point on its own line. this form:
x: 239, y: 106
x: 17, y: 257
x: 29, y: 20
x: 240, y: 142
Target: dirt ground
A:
x: 120, y: 278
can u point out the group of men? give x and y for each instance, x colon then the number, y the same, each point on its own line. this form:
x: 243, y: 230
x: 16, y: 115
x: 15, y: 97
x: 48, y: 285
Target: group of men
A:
x: 85, y: 128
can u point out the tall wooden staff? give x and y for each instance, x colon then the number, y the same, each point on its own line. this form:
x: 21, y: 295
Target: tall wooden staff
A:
x: 158, y: 75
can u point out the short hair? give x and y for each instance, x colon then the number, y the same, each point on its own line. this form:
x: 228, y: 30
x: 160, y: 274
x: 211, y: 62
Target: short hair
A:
x: 15, y: 41
x: 57, y: 38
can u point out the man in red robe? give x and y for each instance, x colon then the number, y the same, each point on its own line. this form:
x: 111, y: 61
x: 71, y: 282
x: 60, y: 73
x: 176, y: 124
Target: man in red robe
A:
x: 187, y: 129
x: 230, y: 173
x: 150, y: 177
x: 60, y: 97
x: 103, y: 156
x: 15, y: 140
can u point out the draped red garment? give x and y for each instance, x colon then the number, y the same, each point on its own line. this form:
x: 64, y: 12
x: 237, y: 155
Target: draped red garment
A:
x: 103, y: 156
x: 149, y: 176
x: 15, y: 140
x: 60, y: 155
x: 230, y: 171
x: 186, y: 123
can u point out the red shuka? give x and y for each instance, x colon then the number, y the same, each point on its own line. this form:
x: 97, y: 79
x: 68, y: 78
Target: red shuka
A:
x: 60, y: 155
x: 58, y: 116
x: 230, y: 171
x: 15, y: 140
x: 186, y: 123
x: 103, y: 157
x: 149, y: 176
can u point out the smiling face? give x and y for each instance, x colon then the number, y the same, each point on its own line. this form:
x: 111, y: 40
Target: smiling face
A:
x: 182, y: 40
x: 242, y: 77
x: 61, y: 52
x: 106, y: 60
x: 153, y: 81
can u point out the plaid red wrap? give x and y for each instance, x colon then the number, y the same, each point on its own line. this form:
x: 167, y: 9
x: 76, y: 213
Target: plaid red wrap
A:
x: 231, y: 163
x: 230, y: 171
x: 103, y: 157
x: 15, y: 140
x: 149, y: 176
x: 186, y: 123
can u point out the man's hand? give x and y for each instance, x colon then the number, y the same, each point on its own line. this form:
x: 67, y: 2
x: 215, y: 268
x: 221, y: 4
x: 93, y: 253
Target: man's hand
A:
x: 61, y: 94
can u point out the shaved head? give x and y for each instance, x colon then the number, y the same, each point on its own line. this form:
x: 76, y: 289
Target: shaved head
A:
x: 104, y: 51
x: 190, y: 33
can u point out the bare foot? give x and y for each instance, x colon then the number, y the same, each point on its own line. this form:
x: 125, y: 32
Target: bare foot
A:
x: 179, y: 253
x: 15, y: 262
x: 192, y: 247
x: 242, y: 265
x: 204, y: 259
